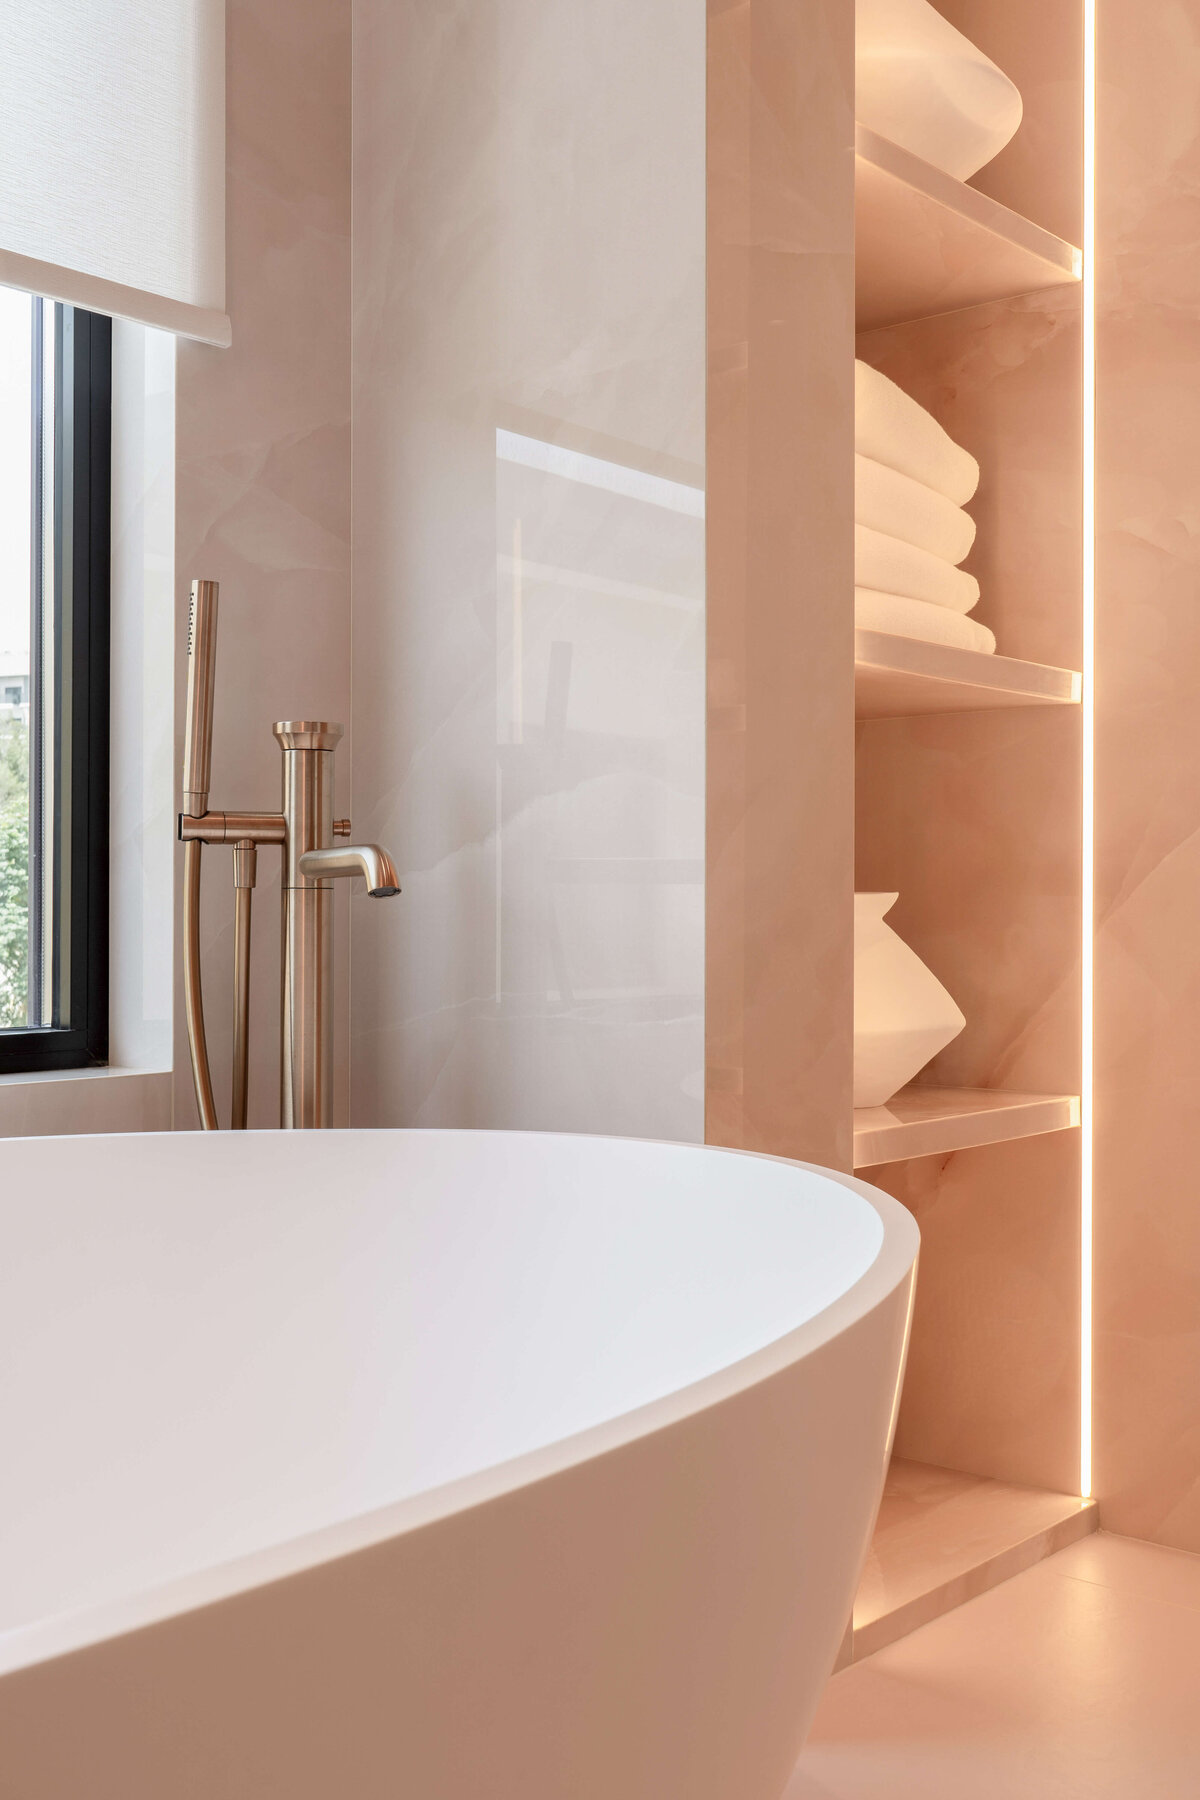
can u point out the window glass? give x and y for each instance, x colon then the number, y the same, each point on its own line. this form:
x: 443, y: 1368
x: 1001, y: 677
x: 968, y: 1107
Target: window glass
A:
x: 55, y: 457
x: 16, y: 534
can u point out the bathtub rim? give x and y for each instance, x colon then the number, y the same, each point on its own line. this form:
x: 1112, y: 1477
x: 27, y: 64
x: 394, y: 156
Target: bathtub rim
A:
x: 65, y: 1633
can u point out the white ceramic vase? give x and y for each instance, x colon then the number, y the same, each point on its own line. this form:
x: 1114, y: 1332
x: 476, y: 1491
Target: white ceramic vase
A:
x: 902, y: 1013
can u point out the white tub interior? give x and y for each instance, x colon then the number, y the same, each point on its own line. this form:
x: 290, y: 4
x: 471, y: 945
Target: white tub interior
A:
x: 214, y: 1344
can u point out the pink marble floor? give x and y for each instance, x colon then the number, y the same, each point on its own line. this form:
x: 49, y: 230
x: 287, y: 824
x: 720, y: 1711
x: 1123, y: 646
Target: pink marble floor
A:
x: 1078, y: 1680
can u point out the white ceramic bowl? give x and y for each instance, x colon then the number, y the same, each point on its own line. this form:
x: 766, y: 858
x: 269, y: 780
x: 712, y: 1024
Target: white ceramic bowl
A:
x: 921, y: 83
x: 902, y: 1013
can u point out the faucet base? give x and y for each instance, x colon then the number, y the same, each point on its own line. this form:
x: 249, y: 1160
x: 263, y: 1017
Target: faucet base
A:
x: 306, y: 1069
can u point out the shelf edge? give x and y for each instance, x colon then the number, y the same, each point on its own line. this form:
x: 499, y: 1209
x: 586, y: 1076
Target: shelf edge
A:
x: 879, y: 1140
x: 968, y: 202
x: 946, y: 666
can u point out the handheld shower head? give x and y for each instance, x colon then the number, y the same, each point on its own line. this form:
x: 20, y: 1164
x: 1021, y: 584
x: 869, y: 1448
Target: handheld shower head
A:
x: 201, y: 685
x: 197, y: 769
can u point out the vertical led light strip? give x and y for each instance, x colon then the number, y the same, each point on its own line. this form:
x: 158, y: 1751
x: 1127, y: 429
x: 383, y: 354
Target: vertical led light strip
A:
x: 1087, y: 953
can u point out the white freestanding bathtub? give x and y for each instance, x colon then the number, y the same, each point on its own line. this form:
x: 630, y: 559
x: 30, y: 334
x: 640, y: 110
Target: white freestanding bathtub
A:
x: 431, y: 1465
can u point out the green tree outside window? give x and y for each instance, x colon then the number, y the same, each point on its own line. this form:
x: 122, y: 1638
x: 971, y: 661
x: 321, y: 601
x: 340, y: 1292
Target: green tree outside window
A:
x: 14, y: 872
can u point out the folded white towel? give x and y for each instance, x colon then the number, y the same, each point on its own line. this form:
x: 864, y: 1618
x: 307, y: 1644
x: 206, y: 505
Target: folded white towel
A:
x: 902, y: 617
x: 892, y: 428
x: 903, y: 508
x: 924, y: 85
x: 891, y: 566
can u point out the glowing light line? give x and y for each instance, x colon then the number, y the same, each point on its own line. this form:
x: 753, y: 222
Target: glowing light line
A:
x: 1087, y: 951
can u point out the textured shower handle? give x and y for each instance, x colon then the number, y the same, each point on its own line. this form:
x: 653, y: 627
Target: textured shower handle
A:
x: 197, y: 772
x: 201, y: 686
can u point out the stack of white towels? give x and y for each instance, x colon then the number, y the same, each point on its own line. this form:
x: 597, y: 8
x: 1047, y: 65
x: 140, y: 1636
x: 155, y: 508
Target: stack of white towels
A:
x: 911, y: 482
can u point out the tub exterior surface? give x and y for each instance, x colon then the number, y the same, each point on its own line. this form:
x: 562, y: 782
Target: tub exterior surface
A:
x: 652, y: 1615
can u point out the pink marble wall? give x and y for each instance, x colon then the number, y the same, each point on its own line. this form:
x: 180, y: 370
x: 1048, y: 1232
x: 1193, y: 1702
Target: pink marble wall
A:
x: 263, y: 477
x: 974, y: 819
x: 1148, y: 773
x: 780, y: 491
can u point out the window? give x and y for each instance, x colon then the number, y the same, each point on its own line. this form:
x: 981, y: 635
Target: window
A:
x: 55, y: 432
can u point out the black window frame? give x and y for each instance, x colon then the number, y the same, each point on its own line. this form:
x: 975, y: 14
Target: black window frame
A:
x: 79, y: 622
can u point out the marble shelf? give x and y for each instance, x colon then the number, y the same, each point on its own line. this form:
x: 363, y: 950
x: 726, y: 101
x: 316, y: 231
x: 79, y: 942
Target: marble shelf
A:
x: 926, y: 243
x: 942, y: 1538
x: 897, y: 676
x: 928, y: 1121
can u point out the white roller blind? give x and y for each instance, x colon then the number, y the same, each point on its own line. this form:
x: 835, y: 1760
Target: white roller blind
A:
x: 112, y: 158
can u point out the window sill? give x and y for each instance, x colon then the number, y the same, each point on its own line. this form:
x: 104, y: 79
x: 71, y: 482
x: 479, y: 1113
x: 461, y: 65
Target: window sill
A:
x: 68, y: 1102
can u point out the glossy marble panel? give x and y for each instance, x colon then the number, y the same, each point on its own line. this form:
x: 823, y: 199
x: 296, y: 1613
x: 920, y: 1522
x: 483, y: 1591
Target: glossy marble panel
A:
x: 1148, y: 775
x: 780, y: 577
x: 529, y: 288
x: 263, y: 484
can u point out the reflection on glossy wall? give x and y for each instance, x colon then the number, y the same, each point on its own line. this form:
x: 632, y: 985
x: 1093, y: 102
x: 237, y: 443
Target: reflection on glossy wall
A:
x: 529, y: 316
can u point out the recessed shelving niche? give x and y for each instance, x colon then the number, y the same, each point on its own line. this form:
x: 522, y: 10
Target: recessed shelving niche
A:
x: 942, y: 1538
x: 926, y: 243
x: 975, y: 310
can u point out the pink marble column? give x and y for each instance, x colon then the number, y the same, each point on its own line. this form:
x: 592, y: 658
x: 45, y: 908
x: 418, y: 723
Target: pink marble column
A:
x: 780, y: 749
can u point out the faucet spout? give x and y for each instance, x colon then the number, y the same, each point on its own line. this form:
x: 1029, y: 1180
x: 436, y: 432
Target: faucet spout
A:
x: 368, y: 860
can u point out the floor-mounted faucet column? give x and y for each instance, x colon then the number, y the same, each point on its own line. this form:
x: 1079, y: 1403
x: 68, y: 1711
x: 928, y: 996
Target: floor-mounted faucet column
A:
x: 306, y: 1071
x: 305, y: 831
